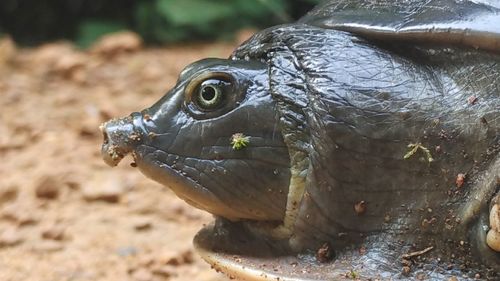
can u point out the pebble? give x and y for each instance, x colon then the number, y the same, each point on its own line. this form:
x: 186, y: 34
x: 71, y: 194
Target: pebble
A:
x: 47, y: 187
x: 70, y: 66
x: 8, y: 193
x: 143, y: 225
x: 185, y: 257
x: 420, y: 276
x: 48, y: 246
x: 126, y: 251
x: 142, y: 274
x: 18, y: 214
x: 55, y: 232
x: 108, y: 189
x: 117, y: 43
x: 10, y: 237
x: 164, y: 271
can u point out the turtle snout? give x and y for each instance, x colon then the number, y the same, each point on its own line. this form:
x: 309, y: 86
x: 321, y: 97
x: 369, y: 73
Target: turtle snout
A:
x: 120, y: 137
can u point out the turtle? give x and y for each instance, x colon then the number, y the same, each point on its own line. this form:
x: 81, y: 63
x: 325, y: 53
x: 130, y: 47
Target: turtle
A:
x: 360, y: 142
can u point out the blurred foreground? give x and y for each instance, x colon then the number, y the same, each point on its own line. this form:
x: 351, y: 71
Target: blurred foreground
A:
x: 65, y: 215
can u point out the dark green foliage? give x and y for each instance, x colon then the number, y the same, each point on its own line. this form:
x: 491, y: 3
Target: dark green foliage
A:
x: 91, y: 29
x: 174, y: 20
x: 158, y: 21
x: 35, y: 21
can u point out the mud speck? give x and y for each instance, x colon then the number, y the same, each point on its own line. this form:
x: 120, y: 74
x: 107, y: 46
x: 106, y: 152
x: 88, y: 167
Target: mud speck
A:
x: 324, y: 253
x: 360, y: 207
x: 459, y: 182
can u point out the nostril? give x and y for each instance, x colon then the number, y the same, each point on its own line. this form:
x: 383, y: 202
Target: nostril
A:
x: 104, y: 133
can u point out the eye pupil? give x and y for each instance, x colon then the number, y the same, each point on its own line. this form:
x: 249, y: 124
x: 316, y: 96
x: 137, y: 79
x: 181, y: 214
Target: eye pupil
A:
x: 208, y: 93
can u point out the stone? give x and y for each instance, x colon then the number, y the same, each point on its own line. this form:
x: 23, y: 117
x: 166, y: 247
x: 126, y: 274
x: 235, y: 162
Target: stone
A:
x: 10, y: 237
x: 109, y: 189
x: 8, y: 193
x: 54, y: 232
x: 142, y: 225
x: 117, y: 43
x: 142, y: 274
x: 48, y: 246
x: 47, y: 187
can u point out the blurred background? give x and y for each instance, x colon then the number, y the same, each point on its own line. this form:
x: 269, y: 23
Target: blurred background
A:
x: 66, y: 66
x: 156, y: 21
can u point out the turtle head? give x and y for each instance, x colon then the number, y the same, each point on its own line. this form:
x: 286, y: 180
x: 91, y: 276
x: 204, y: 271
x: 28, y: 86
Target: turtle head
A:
x: 214, y: 139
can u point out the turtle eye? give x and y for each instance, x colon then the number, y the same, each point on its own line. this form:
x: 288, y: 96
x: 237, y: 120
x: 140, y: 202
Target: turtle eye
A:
x: 210, y: 94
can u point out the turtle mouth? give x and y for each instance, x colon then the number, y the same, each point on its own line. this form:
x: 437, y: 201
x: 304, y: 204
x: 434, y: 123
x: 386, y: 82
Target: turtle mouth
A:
x: 175, y: 172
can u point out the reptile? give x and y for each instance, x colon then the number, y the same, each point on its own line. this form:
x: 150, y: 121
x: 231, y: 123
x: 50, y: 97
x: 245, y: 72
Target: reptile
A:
x: 360, y: 142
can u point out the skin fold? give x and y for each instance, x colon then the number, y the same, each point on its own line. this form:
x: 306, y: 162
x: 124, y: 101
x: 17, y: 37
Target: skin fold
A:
x: 394, y: 139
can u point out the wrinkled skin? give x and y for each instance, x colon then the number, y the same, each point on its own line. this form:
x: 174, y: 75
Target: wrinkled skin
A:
x: 345, y: 107
x: 190, y: 151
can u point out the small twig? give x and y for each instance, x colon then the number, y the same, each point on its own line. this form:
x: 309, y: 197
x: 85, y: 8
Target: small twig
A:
x: 416, y: 146
x: 417, y: 253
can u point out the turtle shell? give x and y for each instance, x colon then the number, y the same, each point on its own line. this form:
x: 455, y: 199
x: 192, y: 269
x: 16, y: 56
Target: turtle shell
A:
x: 449, y: 22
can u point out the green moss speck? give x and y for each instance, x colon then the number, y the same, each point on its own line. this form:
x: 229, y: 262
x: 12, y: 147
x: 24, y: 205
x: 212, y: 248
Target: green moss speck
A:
x: 239, y: 141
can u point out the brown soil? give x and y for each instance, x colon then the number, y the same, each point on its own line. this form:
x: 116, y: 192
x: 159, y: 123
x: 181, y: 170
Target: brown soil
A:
x: 64, y: 214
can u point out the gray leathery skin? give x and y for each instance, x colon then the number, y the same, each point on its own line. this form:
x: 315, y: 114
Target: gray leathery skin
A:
x: 348, y: 88
x: 193, y: 154
x: 361, y: 105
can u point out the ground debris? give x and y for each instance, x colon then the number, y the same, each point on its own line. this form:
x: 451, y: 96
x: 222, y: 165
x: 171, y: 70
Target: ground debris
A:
x: 48, y: 246
x: 8, y: 193
x: 459, y: 182
x: 55, y: 232
x: 417, y: 253
x: 108, y: 189
x: 47, y: 187
x: 324, y: 253
x: 360, y: 207
x: 117, y: 43
x: 10, y: 237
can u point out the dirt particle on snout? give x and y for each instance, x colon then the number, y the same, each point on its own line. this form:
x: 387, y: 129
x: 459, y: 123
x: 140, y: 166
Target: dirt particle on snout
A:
x: 135, y: 137
x: 324, y: 253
